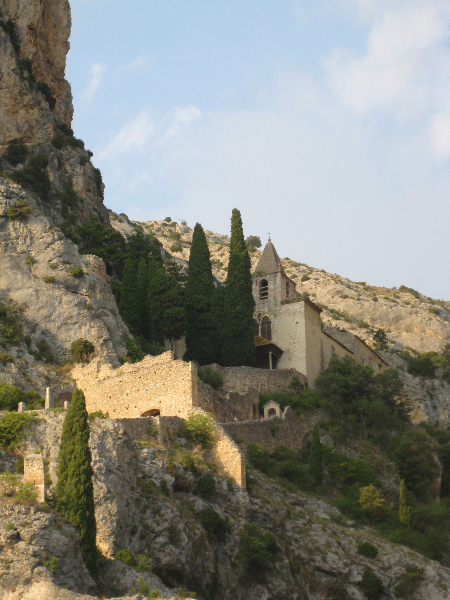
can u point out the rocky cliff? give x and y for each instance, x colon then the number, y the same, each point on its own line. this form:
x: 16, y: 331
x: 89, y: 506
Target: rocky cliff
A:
x: 148, y: 503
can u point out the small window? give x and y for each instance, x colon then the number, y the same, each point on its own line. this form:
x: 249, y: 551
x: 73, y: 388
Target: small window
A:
x: 266, y: 328
x: 263, y: 289
x: 256, y: 326
x: 287, y: 290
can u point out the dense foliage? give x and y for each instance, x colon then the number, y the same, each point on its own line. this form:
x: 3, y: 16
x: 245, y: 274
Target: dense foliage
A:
x: 202, y: 339
x: 238, y: 344
x: 12, y: 426
x: 257, y: 550
x: 75, y: 491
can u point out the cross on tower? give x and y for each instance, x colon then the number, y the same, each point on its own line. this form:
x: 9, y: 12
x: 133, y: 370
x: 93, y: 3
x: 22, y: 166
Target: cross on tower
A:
x: 269, y: 236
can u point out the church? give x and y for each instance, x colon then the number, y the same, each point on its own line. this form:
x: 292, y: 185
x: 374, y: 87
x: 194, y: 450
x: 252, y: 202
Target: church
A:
x: 288, y: 329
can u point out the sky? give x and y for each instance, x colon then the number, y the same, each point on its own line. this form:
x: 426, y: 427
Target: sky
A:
x: 326, y: 122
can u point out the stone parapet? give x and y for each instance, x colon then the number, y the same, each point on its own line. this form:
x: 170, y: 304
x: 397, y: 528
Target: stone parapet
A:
x: 241, y: 379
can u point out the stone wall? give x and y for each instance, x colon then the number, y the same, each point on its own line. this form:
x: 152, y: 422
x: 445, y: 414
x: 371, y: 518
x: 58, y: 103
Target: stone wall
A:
x: 228, y: 406
x: 288, y: 431
x: 241, y: 379
x: 157, y: 383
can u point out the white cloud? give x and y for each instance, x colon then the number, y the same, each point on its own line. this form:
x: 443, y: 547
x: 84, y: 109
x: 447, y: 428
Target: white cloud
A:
x: 141, y: 63
x: 181, y: 117
x: 97, y: 73
x: 439, y: 133
x: 405, y: 63
x: 133, y: 136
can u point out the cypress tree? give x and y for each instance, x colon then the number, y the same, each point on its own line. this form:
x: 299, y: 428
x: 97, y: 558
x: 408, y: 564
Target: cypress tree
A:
x: 166, y: 307
x: 201, y: 331
x: 129, y: 307
x: 403, y: 508
x: 238, y: 345
x: 142, y: 297
x: 74, y: 490
x: 315, y: 456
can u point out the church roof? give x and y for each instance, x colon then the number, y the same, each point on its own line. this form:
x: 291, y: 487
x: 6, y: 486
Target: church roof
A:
x: 269, y: 262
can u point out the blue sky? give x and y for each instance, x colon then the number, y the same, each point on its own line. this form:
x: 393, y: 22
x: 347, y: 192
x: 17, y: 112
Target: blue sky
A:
x: 325, y: 122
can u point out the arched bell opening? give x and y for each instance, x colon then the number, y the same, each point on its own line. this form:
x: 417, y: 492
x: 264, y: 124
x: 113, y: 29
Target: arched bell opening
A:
x: 263, y: 289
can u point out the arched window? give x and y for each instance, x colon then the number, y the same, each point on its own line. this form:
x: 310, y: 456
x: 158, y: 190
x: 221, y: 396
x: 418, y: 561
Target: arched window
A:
x: 263, y: 289
x: 266, y: 328
x: 256, y: 326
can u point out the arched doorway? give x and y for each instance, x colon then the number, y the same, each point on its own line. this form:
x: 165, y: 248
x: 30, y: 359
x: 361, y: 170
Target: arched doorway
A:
x: 272, y: 412
x: 154, y: 412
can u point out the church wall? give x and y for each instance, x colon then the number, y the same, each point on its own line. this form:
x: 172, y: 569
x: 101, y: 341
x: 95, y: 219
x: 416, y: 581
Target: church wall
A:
x: 242, y: 379
x: 157, y: 382
x: 313, y: 334
x: 329, y: 346
x: 288, y: 332
x: 366, y: 356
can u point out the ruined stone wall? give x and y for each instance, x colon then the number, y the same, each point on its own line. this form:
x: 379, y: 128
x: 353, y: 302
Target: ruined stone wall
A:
x: 272, y: 433
x: 229, y: 456
x: 157, y: 383
x: 228, y: 406
x: 241, y: 379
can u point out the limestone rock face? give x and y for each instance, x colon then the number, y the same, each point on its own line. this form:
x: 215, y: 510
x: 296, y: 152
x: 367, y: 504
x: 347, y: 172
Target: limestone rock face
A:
x: 35, y: 276
x: 43, y: 29
x: 318, y: 545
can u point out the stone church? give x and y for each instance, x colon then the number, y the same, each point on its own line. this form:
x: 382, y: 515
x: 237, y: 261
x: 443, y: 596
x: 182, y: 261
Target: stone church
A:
x: 288, y: 331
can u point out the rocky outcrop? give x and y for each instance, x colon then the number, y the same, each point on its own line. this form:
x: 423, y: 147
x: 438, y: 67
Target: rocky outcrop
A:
x: 41, y: 30
x: 148, y: 503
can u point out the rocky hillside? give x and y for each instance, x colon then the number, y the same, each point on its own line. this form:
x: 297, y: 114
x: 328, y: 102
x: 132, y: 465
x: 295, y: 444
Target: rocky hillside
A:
x: 182, y: 533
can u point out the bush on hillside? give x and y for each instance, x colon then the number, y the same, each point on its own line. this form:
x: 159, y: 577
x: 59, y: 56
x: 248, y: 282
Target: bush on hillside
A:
x: 257, y: 550
x: 16, y: 153
x: 371, y: 585
x: 81, y: 350
x: 215, y: 526
x: 12, y: 426
x: 368, y: 550
x: 34, y: 176
x: 210, y: 377
x: 200, y: 429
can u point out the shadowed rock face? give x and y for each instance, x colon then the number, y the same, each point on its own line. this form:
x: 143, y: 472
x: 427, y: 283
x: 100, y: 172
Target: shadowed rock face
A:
x: 42, y: 30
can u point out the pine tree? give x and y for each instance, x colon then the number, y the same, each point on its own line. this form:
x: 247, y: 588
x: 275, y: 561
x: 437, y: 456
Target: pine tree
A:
x: 315, y: 456
x: 201, y: 331
x: 403, y: 508
x: 166, y: 307
x: 238, y: 344
x: 74, y: 490
x: 142, y: 298
x: 129, y: 308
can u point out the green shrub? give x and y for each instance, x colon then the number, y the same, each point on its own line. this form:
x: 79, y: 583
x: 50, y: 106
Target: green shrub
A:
x: 134, y: 351
x: 168, y: 220
x: 368, y: 550
x: 76, y: 272
x: 16, y: 153
x: 206, y: 486
x: 53, y: 564
x: 143, y: 588
x: 11, y: 486
x: 19, y: 210
x: 189, y: 461
x: 48, y: 279
x: 97, y: 414
x: 371, y: 585
x: 283, y: 462
x: 305, y: 278
x: 176, y: 248
x: 409, y: 290
x: 215, y: 526
x: 47, y: 93
x: 10, y: 396
x: 210, y: 377
x: 381, y: 340
x: 126, y: 557
x: 424, y: 365
x: 201, y: 430
x: 413, y: 452
x: 409, y: 581
x: 257, y: 550
x: 10, y: 28
x: 10, y: 325
x: 5, y: 357
x: 62, y: 141
x: 336, y: 591
x: 363, y: 325
x: 34, y: 176
x: 81, y: 350
x: 12, y: 426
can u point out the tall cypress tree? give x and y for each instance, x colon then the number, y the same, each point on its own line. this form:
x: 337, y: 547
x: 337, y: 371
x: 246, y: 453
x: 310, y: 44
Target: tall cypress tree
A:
x: 403, y: 508
x: 129, y: 306
x: 142, y: 297
x: 238, y: 346
x: 74, y: 490
x: 201, y: 331
x: 315, y: 456
x: 166, y: 307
